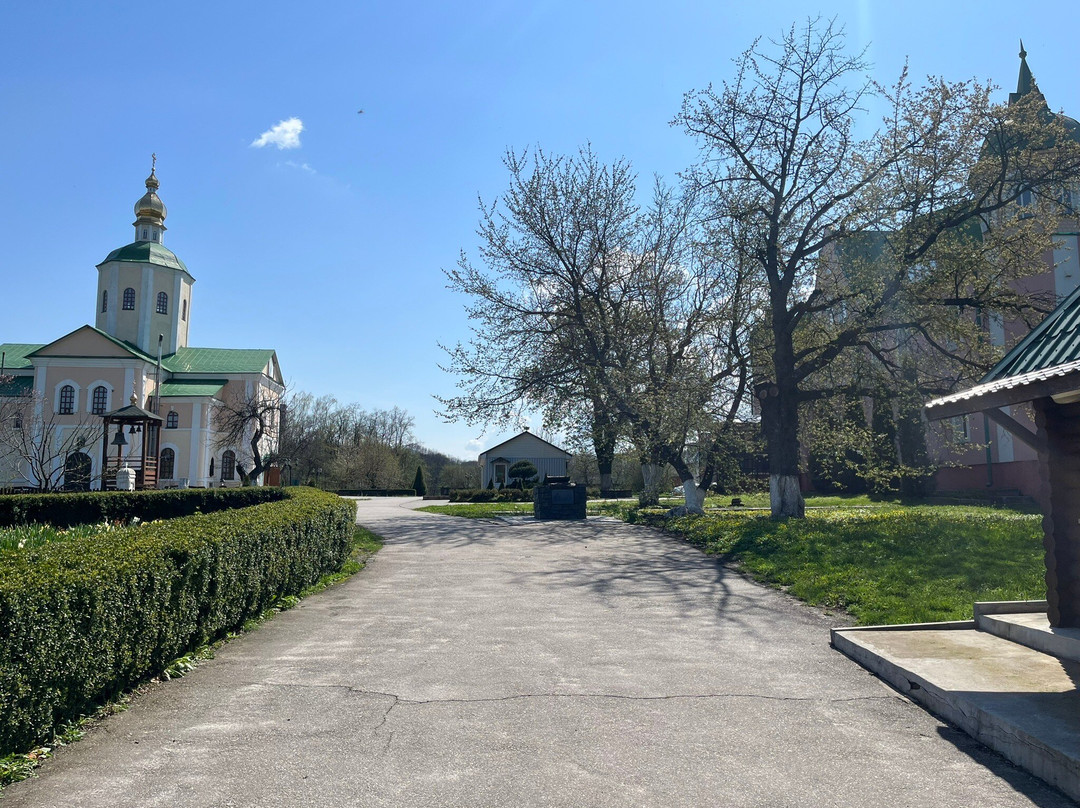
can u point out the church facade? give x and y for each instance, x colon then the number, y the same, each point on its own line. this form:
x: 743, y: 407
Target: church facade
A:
x: 59, y: 398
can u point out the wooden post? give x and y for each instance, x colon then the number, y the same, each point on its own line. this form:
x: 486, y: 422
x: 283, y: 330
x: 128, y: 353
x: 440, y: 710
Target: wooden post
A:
x: 1059, y: 469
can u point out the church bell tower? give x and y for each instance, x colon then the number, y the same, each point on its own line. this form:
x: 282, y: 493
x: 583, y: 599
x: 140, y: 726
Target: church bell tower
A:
x: 144, y: 289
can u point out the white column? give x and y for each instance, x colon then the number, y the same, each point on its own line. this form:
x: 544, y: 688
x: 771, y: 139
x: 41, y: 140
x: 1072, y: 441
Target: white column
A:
x: 146, y: 311
x: 195, y: 442
x: 172, y: 338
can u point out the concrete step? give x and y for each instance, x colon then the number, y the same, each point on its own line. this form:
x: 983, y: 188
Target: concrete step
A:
x: 1029, y: 627
x: 1021, y: 702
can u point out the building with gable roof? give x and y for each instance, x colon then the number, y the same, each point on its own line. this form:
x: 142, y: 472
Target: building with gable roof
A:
x: 990, y: 457
x: 143, y: 311
x: 495, y: 463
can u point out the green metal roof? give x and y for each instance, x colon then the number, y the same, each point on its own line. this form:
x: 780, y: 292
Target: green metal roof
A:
x: 219, y: 360
x: 1055, y: 341
x: 146, y: 252
x: 192, y: 387
x: 15, y: 354
x: 16, y: 386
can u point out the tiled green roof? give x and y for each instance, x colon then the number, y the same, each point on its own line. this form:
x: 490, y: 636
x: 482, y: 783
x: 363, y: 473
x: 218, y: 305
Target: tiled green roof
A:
x: 146, y: 252
x: 219, y: 360
x: 16, y: 385
x: 192, y: 387
x: 1055, y: 341
x: 15, y: 354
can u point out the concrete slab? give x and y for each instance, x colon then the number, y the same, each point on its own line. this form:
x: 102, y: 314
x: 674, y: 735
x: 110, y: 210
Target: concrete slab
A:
x: 1033, y: 629
x: 1020, y: 702
x: 482, y: 664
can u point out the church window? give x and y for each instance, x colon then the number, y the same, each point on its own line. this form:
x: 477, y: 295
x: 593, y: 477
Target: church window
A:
x: 144, y: 234
x: 162, y: 303
x: 129, y: 299
x: 172, y: 420
x: 228, y: 465
x: 67, y: 400
x: 105, y: 300
x: 211, y: 467
x: 183, y: 310
x: 168, y: 464
x: 99, y: 400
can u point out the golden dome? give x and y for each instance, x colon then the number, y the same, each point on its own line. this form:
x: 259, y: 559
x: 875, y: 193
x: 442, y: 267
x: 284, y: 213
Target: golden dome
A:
x: 150, y: 205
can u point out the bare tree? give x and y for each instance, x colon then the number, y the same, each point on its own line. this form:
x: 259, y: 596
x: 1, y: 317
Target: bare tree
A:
x: 250, y: 423
x: 594, y: 311
x: 40, y: 444
x: 791, y: 183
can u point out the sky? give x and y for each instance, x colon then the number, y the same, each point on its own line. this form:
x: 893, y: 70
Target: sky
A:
x: 324, y: 232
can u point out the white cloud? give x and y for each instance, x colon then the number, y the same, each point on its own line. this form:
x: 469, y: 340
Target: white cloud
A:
x: 474, y: 445
x: 284, y: 135
x: 301, y: 166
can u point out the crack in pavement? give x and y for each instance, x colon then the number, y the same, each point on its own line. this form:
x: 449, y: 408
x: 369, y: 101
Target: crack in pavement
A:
x: 397, y: 699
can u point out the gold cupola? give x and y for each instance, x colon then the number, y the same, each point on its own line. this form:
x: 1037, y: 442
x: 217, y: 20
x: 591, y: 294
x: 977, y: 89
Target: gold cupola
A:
x: 150, y: 211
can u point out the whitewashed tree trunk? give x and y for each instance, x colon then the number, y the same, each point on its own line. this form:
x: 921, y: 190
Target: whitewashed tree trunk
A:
x: 785, y: 496
x: 650, y: 473
x: 695, y: 496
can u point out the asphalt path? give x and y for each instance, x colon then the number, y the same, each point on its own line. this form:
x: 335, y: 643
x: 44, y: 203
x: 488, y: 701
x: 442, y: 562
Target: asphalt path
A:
x: 480, y: 663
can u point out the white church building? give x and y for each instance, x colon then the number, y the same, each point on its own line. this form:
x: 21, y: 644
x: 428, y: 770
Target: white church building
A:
x: 69, y: 399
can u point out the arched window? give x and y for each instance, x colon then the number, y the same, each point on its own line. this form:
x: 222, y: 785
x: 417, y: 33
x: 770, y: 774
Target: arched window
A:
x: 183, y: 310
x: 129, y: 299
x: 105, y: 300
x: 99, y: 401
x: 77, y: 471
x: 67, y: 400
x: 228, y: 465
x: 162, y: 303
x: 211, y: 467
x: 172, y: 420
x: 168, y: 464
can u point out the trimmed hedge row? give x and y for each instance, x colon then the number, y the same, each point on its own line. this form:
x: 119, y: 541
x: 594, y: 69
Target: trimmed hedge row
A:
x: 491, y: 495
x: 67, y: 510
x: 82, y: 621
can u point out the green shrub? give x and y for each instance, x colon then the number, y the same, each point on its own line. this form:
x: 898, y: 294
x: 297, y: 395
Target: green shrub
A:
x: 491, y: 495
x: 81, y: 621
x: 68, y: 510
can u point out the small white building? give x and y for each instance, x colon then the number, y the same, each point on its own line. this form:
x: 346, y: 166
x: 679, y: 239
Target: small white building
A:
x: 549, y: 459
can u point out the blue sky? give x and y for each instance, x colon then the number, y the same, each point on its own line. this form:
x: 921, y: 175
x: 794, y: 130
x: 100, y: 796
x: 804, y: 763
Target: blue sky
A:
x: 332, y: 251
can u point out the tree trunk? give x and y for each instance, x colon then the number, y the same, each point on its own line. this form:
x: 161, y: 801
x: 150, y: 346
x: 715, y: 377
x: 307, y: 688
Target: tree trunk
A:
x: 785, y: 496
x: 604, y: 435
x: 650, y: 496
x: 695, y: 496
x: 780, y: 422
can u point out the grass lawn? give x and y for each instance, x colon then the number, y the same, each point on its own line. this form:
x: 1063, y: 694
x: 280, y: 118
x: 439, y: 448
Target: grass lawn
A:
x: 24, y: 537
x: 881, y: 562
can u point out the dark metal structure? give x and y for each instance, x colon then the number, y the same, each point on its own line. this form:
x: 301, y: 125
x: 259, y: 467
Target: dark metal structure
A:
x: 558, y: 498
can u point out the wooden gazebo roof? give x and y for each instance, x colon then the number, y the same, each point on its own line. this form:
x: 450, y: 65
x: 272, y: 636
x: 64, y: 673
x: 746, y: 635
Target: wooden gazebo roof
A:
x: 1044, y: 364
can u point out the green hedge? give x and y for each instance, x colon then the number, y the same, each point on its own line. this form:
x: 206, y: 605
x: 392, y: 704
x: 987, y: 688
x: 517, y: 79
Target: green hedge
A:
x: 82, y: 621
x: 67, y: 510
x: 491, y: 495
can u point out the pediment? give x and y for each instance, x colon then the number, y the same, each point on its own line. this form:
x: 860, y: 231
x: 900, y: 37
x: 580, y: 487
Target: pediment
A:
x: 86, y: 341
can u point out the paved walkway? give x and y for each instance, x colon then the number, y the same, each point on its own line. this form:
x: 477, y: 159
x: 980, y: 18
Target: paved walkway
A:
x: 486, y: 664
